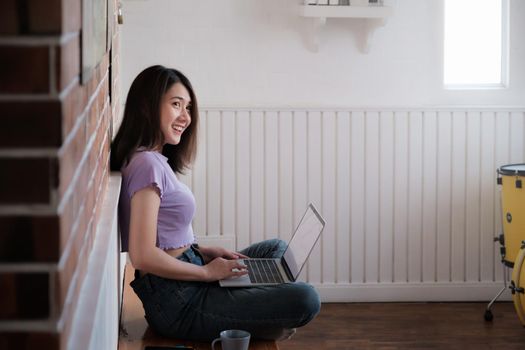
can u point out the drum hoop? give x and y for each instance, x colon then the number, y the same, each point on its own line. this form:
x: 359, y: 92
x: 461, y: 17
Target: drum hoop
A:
x: 509, y: 172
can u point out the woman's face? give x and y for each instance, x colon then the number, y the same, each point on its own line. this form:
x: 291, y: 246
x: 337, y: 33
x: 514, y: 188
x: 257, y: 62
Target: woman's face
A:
x: 175, y: 108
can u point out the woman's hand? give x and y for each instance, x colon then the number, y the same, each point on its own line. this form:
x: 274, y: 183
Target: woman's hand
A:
x: 220, y: 268
x: 210, y: 253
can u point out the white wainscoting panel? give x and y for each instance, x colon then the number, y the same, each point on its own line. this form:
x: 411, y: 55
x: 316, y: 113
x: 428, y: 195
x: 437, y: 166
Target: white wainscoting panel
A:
x: 409, y: 195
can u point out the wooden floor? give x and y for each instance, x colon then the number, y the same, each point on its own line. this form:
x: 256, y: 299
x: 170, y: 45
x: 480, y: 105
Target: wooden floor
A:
x: 410, y: 326
x: 366, y: 326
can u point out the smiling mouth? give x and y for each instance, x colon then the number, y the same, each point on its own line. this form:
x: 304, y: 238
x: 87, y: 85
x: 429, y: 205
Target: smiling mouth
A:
x: 178, y: 128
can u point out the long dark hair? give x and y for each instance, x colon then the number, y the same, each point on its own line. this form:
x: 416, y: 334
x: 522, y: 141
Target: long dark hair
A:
x: 141, y: 123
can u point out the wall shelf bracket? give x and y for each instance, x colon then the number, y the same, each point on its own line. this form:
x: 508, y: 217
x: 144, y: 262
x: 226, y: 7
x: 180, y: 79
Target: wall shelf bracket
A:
x: 371, y: 17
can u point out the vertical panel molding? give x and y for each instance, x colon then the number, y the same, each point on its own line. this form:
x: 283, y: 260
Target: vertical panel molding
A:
x: 409, y: 194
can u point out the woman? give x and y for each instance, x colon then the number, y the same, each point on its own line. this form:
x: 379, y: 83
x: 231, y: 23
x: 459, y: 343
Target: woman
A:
x: 175, y: 278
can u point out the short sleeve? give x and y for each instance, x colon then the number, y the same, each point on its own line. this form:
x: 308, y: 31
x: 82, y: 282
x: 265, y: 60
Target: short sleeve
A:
x: 144, y: 171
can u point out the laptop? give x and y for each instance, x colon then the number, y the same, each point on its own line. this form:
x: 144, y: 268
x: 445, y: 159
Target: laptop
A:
x: 264, y: 272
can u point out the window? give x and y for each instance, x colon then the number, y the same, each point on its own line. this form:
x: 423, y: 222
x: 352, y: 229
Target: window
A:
x: 475, y: 43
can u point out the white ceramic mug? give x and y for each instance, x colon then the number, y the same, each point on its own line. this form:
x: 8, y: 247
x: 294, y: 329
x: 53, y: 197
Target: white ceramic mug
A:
x: 233, y: 339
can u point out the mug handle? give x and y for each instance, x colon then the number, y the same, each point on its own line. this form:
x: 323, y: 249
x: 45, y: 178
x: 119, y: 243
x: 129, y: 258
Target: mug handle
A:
x: 213, y: 343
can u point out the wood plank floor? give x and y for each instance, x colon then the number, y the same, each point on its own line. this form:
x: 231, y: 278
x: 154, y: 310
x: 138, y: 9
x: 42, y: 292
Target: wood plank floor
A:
x: 367, y: 326
x: 410, y: 326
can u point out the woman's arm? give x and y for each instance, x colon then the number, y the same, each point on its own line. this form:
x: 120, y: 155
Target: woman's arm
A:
x: 147, y: 257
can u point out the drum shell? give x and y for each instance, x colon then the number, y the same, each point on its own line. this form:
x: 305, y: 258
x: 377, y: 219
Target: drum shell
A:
x: 518, y: 281
x: 513, y: 216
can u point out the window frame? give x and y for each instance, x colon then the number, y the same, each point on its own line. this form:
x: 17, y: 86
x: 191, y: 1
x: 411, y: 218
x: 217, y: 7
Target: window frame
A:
x: 504, y: 74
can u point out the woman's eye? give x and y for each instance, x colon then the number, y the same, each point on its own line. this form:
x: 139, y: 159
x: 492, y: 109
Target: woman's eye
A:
x: 176, y: 104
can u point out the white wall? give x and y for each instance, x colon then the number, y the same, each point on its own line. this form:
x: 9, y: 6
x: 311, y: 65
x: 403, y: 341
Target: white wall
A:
x: 257, y: 53
x: 409, y: 196
x: 273, y: 110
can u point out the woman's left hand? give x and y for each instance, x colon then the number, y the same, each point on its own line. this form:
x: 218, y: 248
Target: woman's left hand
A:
x: 210, y: 253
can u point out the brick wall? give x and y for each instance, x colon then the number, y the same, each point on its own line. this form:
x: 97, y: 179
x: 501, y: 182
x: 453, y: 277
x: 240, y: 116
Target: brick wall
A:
x: 54, y: 146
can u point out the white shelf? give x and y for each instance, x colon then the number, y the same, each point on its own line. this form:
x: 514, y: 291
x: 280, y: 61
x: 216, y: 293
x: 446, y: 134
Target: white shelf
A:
x: 331, y: 11
x: 373, y: 16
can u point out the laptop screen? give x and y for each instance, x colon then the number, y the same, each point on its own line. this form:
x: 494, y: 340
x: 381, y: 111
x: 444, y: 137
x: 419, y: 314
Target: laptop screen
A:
x: 303, y: 240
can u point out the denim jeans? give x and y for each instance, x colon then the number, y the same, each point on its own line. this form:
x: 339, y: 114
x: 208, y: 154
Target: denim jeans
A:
x: 201, y: 310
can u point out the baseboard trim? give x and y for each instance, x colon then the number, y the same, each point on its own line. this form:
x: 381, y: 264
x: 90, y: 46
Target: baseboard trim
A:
x: 395, y: 291
x: 412, y: 292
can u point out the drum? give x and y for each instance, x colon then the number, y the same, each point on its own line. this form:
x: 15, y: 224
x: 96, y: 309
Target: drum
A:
x: 512, y: 179
x: 517, y: 284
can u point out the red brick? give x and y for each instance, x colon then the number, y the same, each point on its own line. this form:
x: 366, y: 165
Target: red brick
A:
x: 89, y: 203
x: 93, y: 82
x: 29, y: 239
x: 45, y: 17
x: 8, y: 17
x: 68, y: 62
x: 30, y: 299
x: 98, y: 73
x: 24, y: 69
x: 35, y: 189
x: 9, y: 295
x: 63, y: 281
x: 101, y: 133
x: 31, y: 124
x: 103, y: 95
x: 76, y: 261
x: 104, y: 179
x: 102, y: 182
x: 54, y: 173
x: 71, y: 156
x: 85, y: 204
x: 73, y: 105
x: 46, y: 239
x: 86, y: 199
x: 29, y: 340
x: 81, y: 187
x: 67, y: 218
x: 92, y: 118
x: 89, y: 199
x: 103, y: 66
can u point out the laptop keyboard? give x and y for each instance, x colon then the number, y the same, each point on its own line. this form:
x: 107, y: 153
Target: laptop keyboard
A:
x: 263, y: 271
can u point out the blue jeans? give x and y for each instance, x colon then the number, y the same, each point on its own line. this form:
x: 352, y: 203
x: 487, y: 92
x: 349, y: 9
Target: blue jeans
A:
x: 201, y: 310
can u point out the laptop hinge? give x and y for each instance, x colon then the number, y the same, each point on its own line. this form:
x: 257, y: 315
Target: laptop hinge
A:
x: 287, y: 270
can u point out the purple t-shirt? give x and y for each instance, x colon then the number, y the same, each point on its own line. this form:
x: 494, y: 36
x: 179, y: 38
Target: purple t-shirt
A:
x: 177, y: 204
